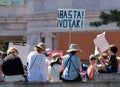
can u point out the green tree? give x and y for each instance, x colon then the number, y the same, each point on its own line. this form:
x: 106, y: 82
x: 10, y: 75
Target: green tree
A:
x: 108, y: 17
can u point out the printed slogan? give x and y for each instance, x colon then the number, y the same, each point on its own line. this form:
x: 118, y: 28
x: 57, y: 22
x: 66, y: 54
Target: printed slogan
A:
x: 70, y: 18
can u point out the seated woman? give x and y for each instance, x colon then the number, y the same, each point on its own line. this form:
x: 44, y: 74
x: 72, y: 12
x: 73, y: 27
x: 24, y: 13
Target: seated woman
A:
x: 36, y: 64
x: 55, y: 67
x: 72, y: 65
x: 12, y: 66
x: 93, y: 67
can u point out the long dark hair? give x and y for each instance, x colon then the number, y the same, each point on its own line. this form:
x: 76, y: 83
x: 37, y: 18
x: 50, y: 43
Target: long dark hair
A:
x: 56, y: 62
x: 73, y: 52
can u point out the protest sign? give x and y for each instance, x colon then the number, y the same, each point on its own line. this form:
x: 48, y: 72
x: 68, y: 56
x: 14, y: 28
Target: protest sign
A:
x: 70, y: 18
x: 101, y: 42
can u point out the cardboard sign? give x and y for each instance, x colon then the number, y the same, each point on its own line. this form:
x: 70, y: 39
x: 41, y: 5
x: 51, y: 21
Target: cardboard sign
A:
x: 101, y: 42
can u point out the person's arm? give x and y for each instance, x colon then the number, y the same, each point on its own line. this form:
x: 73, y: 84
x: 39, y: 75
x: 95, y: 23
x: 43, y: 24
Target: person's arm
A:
x: 101, y: 57
x: 103, y: 61
x: 21, y: 66
x: 90, y: 72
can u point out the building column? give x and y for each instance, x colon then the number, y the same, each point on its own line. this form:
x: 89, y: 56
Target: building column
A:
x: 33, y: 40
x: 55, y: 40
x: 48, y: 40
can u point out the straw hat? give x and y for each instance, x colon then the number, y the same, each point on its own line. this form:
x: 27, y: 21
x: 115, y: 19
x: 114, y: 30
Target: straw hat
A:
x: 92, y: 56
x: 42, y: 46
x: 74, y: 47
x: 56, y: 56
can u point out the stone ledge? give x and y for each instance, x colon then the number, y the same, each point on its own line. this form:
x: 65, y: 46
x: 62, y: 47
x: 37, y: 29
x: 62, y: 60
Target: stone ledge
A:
x: 102, y: 80
x: 61, y: 84
x: 107, y: 77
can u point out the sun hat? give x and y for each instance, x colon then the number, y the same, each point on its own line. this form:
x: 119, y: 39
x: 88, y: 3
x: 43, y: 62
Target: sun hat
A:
x: 56, y: 56
x: 42, y: 46
x: 92, y: 56
x: 74, y: 47
x: 12, y: 50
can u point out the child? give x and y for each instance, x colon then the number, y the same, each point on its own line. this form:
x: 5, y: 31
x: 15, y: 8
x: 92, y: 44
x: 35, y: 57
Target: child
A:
x: 112, y: 64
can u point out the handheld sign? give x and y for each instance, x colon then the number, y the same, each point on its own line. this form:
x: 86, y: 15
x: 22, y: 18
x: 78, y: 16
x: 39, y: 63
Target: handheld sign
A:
x: 101, y: 42
x: 70, y: 18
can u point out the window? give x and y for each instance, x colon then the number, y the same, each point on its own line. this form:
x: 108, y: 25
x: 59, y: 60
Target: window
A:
x: 13, y: 2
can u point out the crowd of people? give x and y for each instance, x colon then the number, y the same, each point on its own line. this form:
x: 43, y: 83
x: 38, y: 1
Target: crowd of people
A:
x: 59, y: 68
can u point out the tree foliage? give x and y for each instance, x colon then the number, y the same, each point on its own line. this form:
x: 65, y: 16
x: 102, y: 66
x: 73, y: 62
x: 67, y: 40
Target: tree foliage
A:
x: 108, y: 17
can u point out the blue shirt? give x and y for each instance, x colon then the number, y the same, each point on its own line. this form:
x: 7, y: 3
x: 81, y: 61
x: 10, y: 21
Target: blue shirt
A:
x: 72, y: 67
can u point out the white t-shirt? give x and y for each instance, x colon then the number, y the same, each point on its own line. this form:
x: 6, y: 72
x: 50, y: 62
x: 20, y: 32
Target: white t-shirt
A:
x: 54, y: 72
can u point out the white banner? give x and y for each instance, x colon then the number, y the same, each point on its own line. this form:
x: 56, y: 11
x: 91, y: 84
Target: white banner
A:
x: 70, y: 18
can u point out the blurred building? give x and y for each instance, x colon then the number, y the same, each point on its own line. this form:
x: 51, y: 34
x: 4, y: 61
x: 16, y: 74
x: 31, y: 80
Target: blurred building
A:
x: 33, y: 21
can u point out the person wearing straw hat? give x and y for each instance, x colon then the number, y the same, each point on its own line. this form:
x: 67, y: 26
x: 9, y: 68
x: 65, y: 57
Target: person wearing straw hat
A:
x: 72, y: 65
x: 55, y: 67
x: 36, y: 64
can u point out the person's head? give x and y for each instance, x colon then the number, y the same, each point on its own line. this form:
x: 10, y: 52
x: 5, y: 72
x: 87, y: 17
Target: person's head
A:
x: 40, y: 48
x: 56, y: 58
x: 113, y: 49
x: 92, y: 59
x: 48, y: 52
x: 12, y: 50
x: 73, y: 48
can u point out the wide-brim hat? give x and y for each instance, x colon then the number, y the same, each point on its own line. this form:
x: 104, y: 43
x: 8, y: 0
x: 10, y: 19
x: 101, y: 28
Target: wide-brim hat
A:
x: 74, y: 48
x: 56, y: 56
x: 92, y: 56
x: 42, y: 46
